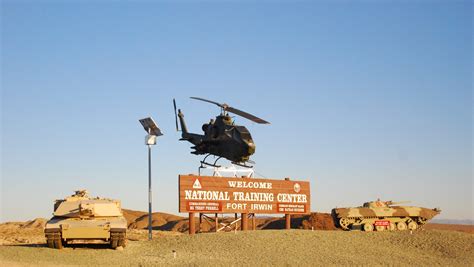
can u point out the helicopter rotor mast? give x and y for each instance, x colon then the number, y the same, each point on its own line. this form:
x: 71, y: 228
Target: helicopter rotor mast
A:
x: 230, y: 109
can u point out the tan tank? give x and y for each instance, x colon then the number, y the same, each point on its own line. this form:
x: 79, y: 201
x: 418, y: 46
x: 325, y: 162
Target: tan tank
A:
x: 80, y: 217
x: 383, y: 215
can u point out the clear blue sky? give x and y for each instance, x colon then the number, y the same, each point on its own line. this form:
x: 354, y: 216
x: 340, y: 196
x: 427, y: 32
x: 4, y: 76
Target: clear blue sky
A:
x: 366, y: 99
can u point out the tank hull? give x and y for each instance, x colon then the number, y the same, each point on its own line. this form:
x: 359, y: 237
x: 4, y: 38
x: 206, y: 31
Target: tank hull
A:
x: 383, y: 218
x: 77, y: 229
x: 79, y: 217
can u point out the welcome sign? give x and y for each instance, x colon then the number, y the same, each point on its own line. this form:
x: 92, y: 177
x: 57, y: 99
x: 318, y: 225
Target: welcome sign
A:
x: 209, y: 194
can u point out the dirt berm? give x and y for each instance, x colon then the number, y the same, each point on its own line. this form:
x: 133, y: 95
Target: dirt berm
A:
x: 167, y: 222
x: 316, y: 221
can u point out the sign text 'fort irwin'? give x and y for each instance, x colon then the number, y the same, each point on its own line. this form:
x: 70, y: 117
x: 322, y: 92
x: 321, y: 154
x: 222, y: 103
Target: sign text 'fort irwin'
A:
x: 208, y: 194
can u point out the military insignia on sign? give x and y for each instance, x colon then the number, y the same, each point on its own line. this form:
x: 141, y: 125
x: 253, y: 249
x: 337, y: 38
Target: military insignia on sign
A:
x: 197, y: 184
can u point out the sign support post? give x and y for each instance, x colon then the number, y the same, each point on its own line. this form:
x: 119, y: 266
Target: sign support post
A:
x: 245, y: 221
x: 200, y: 222
x: 287, y: 221
x: 254, y: 227
x: 192, y: 225
x: 287, y: 216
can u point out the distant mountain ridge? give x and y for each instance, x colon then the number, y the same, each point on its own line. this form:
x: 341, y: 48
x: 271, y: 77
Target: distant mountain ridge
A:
x: 453, y: 221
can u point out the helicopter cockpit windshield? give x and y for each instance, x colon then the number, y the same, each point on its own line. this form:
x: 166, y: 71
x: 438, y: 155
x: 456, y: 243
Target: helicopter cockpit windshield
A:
x: 244, y: 133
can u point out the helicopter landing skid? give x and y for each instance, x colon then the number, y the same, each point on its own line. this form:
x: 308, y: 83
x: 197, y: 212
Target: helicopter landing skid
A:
x: 204, y: 163
x: 209, y: 164
x: 229, y: 171
x: 242, y: 164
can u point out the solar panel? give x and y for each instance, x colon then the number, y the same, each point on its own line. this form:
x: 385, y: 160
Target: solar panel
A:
x: 150, y: 126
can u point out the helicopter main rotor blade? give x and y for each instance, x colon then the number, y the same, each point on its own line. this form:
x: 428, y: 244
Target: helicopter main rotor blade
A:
x: 209, y: 101
x: 235, y: 111
x: 246, y: 115
x: 175, y: 114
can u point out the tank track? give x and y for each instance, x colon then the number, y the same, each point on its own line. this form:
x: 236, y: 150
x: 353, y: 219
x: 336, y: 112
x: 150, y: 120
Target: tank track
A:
x: 54, y: 240
x: 117, y: 239
x: 408, y: 223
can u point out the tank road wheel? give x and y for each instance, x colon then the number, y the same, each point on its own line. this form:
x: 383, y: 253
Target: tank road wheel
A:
x: 118, y: 239
x: 392, y: 227
x: 380, y: 228
x: 50, y: 242
x: 344, y: 223
x: 412, y: 225
x: 53, y: 240
x: 401, y: 226
x: 114, y: 243
x: 58, y: 243
x: 368, y: 227
x: 114, y: 239
x: 122, y: 240
x: 422, y: 221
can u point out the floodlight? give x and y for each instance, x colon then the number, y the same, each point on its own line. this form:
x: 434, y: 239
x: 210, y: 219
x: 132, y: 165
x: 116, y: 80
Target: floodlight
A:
x: 150, y: 139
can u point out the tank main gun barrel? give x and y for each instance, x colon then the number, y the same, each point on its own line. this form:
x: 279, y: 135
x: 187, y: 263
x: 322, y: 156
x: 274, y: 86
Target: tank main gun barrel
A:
x: 398, y: 202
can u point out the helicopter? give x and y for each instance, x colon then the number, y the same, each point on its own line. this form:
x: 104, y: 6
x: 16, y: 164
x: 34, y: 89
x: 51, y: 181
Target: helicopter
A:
x: 221, y: 138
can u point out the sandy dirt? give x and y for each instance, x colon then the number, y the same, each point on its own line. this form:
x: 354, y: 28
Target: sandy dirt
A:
x: 23, y: 244
x: 271, y: 247
x: 451, y: 227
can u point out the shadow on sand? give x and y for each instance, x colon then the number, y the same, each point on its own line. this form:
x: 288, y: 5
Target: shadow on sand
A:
x: 166, y: 227
x: 68, y: 246
x: 38, y: 245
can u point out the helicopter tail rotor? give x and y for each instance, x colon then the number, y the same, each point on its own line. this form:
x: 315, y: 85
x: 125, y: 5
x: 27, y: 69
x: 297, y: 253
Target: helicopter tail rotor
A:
x: 228, y: 108
x: 175, y: 114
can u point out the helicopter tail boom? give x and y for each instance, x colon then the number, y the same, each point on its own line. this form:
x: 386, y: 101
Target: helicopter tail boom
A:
x: 185, y: 135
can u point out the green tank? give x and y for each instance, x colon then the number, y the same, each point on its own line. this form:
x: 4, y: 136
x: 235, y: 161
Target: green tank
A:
x: 383, y: 215
x: 80, y: 217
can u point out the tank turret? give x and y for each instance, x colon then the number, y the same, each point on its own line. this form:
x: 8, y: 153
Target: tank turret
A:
x: 379, y: 204
x: 79, y: 217
x: 383, y: 215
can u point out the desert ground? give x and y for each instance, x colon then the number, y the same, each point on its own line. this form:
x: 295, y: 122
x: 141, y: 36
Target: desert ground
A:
x: 315, y: 241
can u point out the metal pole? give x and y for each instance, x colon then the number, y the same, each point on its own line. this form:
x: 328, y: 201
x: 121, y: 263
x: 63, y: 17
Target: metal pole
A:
x: 150, y: 237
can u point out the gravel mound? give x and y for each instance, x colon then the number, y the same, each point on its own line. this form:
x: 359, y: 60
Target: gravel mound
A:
x: 37, y: 223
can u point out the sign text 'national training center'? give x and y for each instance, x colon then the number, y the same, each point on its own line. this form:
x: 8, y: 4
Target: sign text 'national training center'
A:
x: 208, y: 194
